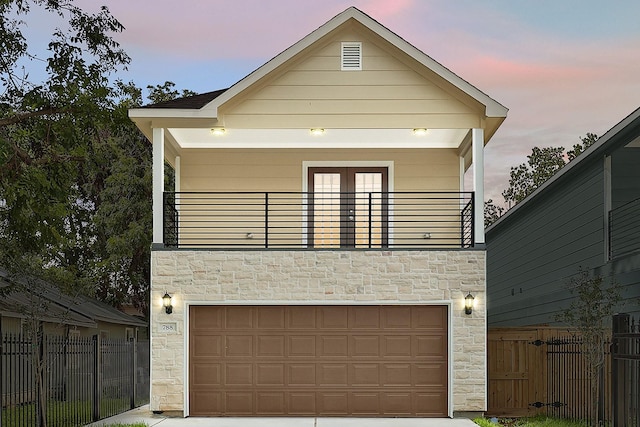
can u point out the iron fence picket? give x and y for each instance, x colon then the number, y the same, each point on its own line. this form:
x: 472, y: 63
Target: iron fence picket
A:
x: 71, y: 369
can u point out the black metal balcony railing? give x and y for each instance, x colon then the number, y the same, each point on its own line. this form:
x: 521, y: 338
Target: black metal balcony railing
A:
x: 624, y: 229
x: 278, y: 220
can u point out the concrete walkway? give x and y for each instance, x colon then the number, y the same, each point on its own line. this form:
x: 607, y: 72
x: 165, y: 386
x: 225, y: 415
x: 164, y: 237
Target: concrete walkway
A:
x: 143, y: 415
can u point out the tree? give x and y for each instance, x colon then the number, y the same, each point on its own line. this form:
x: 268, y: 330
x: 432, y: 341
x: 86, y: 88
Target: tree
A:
x: 541, y: 165
x: 491, y: 212
x: 589, y: 313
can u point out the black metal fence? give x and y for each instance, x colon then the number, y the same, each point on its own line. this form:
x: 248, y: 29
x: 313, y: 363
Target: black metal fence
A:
x: 626, y: 371
x: 267, y: 220
x: 67, y: 381
x: 569, y: 393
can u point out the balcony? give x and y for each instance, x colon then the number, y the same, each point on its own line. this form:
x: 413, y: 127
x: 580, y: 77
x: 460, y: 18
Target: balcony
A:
x: 624, y: 229
x: 288, y: 220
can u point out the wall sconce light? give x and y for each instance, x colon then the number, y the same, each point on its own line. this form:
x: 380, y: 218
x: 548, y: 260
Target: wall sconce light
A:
x: 468, y: 304
x: 420, y: 131
x: 249, y: 235
x: 316, y: 131
x: 166, y: 303
x: 218, y: 131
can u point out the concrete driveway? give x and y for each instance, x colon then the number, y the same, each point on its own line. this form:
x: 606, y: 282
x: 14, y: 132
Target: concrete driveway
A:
x: 143, y: 415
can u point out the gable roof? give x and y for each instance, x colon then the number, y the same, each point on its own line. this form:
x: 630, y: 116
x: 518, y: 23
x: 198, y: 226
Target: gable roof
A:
x: 185, y: 107
x: 58, y: 307
x: 193, y: 102
x: 614, y: 136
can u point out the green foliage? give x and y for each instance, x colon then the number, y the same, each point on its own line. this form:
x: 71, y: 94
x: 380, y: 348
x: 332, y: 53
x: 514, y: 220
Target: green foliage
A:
x: 538, y: 421
x: 541, y: 165
x: 589, y: 313
x: 491, y: 212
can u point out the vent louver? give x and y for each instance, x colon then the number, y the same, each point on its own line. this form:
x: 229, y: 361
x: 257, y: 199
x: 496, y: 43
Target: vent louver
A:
x: 351, y: 56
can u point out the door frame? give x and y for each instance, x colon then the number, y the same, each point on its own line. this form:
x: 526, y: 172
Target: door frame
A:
x: 389, y: 164
x: 189, y: 302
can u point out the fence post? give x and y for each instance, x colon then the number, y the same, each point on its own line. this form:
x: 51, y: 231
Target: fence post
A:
x: 97, y: 378
x: 1, y: 370
x: 620, y: 325
x: 134, y: 369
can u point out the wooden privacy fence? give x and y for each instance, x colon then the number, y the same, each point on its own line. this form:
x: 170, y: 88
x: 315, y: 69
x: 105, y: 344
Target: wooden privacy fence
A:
x: 542, y: 371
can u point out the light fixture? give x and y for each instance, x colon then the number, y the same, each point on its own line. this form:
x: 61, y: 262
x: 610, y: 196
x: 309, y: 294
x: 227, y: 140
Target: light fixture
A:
x: 218, y: 131
x: 419, y: 131
x: 166, y: 303
x: 468, y: 303
x: 316, y: 131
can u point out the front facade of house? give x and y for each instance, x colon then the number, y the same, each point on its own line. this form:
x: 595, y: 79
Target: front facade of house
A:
x: 320, y: 243
x: 585, y: 217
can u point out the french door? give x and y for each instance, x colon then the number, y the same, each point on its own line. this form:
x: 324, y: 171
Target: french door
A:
x: 348, y: 207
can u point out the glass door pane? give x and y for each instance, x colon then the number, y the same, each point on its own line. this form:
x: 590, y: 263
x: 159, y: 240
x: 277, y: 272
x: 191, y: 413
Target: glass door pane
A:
x: 326, y: 210
x: 368, y: 209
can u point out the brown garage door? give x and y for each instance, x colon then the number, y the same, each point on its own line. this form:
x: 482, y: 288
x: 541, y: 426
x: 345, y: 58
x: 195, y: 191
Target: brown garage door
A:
x: 318, y: 360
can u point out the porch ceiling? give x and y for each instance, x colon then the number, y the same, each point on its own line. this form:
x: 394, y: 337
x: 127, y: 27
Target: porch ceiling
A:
x: 331, y: 138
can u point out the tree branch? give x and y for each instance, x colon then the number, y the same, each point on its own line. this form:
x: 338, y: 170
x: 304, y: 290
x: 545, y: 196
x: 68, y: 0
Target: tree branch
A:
x: 24, y: 116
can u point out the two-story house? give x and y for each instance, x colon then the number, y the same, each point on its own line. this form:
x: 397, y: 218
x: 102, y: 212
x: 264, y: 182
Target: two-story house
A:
x: 587, y: 216
x: 319, y: 245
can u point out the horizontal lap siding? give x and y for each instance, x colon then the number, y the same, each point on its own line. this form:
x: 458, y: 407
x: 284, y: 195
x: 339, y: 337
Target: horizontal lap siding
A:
x: 535, y: 256
x: 389, y: 92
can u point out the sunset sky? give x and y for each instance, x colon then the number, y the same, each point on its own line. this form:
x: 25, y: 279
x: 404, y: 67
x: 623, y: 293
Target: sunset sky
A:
x: 562, y: 67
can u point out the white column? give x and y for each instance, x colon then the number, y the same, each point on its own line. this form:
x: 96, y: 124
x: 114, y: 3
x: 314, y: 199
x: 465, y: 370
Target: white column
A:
x: 158, y: 184
x: 176, y: 172
x: 477, y: 147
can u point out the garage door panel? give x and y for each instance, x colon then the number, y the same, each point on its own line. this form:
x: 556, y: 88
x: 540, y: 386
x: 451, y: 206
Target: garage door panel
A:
x: 333, y: 317
x: 333, y: 346
x: 364, y: 317
x: 333, y: 403
x: 318, y: 360
x: 397, y: 403
x: 395, y: 346
x: 301, y: 317
x: 271, y: 318
x: 396, y: 374
x: 238, y: 318
x: 302, y: 346
x: 332, y: 374
x: 239, y: 403
x: 365, y: 403
x: 209, y: 402
x: 430, y: 404
x: 302, y: 403
x: 206, y: 346
x: 270, y: 374
x: 238, y: 374
x: 207, y: 374
x: 432, y: 346
x: 364, y: 374
x: 239, y: 346
x: 430, y: 319
x: 270, y: 403
x: 365, y: 346
x: 271, y: 346
x: 433, y: 374
x: 302, y: 374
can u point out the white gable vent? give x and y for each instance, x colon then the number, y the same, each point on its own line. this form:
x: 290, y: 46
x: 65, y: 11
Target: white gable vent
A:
x: 351, y: 56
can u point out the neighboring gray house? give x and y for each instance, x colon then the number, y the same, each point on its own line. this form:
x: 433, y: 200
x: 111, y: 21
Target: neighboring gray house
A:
x: 587, y: 215
x: 63, y: 314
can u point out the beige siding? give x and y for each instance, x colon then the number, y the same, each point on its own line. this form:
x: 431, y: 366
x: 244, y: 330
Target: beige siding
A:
x: 281, y: 169
x: 313, y: 91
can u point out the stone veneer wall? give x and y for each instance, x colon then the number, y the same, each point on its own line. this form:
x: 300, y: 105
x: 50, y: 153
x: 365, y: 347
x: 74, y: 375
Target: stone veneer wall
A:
x: 333, y: 276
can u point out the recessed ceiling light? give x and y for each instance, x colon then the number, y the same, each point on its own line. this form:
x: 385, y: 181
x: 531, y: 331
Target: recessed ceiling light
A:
x: 316, y: 131
x: 218, y: 131
x: 420, y: 131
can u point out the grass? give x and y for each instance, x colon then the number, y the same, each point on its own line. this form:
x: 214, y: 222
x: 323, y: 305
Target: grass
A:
x: 126, y: 425
x: 539, y: 421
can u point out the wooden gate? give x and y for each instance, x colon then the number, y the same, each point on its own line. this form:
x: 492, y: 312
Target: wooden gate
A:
x: 517, y: 372
x: 541, y: 370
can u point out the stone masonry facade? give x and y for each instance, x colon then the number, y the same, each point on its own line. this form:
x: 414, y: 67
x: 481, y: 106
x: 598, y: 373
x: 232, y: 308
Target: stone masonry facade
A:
x: 338, y: 276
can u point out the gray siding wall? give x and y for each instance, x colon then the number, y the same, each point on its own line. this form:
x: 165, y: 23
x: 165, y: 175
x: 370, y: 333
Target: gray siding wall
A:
x: 625, y: 176
x: 540, y: 247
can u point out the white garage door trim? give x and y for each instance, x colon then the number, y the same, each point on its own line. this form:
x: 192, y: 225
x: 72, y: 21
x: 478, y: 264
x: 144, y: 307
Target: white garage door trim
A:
x: 185, y: 332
